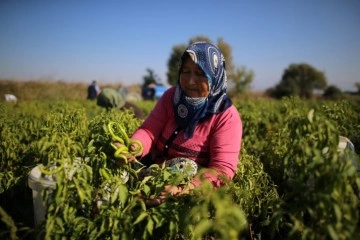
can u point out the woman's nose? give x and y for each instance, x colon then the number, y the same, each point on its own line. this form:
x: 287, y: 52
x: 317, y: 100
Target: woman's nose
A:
x: 192, y: 78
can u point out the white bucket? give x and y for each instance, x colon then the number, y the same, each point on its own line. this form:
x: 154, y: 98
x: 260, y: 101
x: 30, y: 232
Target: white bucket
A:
x: 38, y: 182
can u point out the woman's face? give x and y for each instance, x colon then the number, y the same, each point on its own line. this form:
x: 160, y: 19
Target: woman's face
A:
x: 193, y: 80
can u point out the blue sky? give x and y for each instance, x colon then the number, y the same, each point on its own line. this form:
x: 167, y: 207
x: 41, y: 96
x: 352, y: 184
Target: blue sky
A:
x: 116, y: 41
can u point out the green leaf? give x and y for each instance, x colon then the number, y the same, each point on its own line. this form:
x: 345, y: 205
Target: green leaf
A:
x: 332, y: 232
x: 311, y: 115
x: 337, y: 211
x: 124, y: 193
x: 146, y: 190
x: 202, y: 228
x: 140, y: 218
x: 150, y: 226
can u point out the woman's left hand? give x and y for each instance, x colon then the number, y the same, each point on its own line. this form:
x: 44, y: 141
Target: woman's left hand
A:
x: 169, y: 190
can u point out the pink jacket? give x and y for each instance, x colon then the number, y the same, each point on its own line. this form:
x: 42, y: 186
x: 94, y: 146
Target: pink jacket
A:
x: 215, y: 144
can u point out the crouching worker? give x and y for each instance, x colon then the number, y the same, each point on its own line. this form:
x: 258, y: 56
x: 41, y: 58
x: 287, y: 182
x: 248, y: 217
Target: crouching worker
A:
x: 195, y: 120
x: 110, y: 98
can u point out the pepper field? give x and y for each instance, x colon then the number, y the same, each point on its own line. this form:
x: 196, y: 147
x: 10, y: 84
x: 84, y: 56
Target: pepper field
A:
x: 291, y: 181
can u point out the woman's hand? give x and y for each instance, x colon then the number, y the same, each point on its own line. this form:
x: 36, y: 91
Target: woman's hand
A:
x: 130, y: 157
x: 135, y: 147
x: 169, y: 190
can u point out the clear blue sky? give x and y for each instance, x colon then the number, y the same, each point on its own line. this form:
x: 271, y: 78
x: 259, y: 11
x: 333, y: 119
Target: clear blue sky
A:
x: 116, y: 41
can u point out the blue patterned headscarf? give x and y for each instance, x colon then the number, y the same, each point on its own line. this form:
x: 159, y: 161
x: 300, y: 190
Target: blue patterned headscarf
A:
x: 190, y: 111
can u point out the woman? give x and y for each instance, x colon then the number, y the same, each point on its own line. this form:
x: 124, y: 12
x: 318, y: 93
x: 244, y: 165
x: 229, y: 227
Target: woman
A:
x: 195, y: 120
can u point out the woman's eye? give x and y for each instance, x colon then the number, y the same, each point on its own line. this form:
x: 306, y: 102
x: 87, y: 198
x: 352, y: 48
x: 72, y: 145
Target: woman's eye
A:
x: 200, y: 74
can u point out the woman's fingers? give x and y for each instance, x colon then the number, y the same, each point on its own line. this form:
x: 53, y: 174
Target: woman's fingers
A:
x: 124, y: 156
x: 154, y: 202
x: 169, y: 190
x: 118, y: 144
x: 136, y: 147
x: 173, y: 190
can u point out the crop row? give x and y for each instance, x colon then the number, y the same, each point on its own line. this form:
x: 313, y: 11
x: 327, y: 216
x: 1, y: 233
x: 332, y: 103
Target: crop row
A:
x: 292, y: 181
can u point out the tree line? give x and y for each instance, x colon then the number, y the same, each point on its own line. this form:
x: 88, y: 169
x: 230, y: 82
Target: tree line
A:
x: 298, y: 79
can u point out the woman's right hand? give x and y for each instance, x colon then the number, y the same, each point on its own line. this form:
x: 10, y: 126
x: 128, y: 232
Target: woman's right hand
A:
x: 136, y: 147
x: 118, y: 144
x: 124, y: 157
x: 134, y: 150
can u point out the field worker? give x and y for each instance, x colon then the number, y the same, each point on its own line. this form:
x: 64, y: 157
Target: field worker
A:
x: 93, y: 90
x: 195, y: 120
x: 110, y: 98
